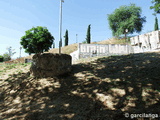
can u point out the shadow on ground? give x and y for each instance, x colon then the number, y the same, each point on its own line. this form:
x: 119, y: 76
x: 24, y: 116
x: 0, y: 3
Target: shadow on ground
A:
x: 104, y: 89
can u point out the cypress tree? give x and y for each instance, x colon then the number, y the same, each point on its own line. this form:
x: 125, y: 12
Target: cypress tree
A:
x: 66, y: 38
x: 88, y: 36
x: 156, y: 27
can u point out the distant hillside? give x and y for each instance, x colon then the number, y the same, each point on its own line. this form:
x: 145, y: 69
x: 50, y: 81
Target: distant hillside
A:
x: 73, y: 47
x: 66, y: 50
x: 111, y: 41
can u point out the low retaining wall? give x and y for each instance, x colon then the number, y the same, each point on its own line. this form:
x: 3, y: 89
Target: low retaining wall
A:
x: 92, y: 50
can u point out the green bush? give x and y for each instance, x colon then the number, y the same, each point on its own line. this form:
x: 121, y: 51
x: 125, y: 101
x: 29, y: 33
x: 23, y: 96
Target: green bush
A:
x: 1, y: 58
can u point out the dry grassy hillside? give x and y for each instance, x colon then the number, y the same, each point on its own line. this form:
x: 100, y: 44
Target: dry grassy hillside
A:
x: 66, y: 50
x: 97, y: 89
x: 73, y: 47
x: 111, y: 41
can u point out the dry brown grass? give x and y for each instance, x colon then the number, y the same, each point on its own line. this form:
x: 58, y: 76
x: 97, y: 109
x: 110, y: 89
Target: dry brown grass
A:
x: 97, y: 89
x: 73, y: 47
x: 66, y: 49
x: 111, y: 41
x: 7, y: 70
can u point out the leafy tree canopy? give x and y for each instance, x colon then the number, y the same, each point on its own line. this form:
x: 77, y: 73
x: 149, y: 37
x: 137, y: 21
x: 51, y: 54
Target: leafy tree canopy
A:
x: 156, y: 6
x: 126, y: 17
x: 37, y: 40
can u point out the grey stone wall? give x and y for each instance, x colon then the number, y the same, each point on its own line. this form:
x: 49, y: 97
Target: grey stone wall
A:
x: 50, y: 65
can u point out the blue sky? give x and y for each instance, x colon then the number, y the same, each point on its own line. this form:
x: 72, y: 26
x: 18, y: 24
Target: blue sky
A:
x: 17, y: 16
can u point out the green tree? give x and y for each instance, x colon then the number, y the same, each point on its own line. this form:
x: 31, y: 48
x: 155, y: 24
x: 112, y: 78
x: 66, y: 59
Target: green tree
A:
x: 66, y: 39
x: 156, y: 27
x: 126, y: 17
x: 37, y: 40
x: 156, y: 6
x: 88, y: 36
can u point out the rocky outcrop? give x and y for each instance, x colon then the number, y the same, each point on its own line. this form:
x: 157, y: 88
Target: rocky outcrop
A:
x: 50, y: 65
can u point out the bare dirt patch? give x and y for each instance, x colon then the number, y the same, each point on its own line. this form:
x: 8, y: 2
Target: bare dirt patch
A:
x: 102, y: 89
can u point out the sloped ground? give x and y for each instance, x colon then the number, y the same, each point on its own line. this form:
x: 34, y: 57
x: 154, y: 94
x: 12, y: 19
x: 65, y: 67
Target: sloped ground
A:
x: 66, y: 49
x: 73, y: 47
x: 9, y: 69
x: 103, y: 89
x: 112, y: 41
